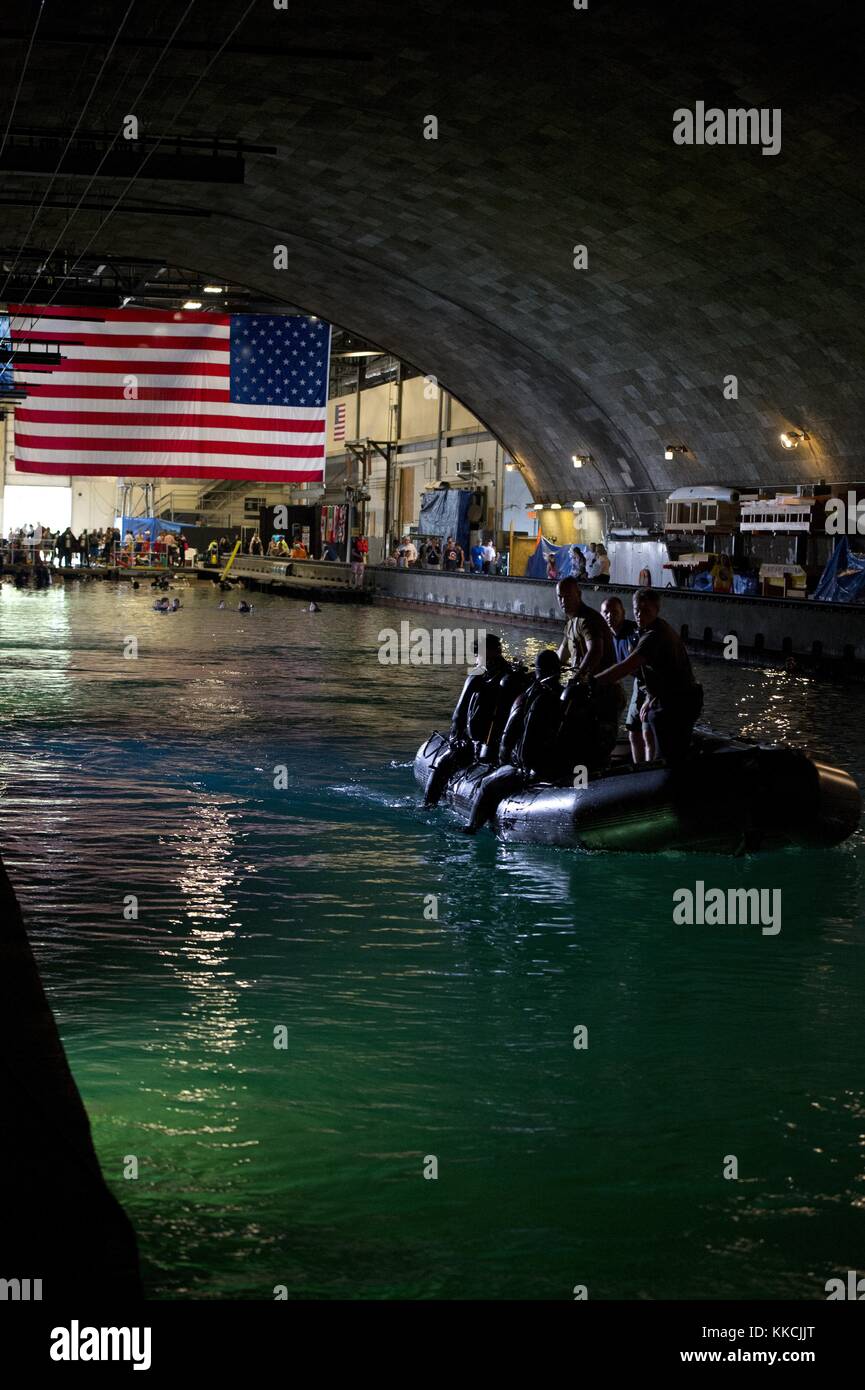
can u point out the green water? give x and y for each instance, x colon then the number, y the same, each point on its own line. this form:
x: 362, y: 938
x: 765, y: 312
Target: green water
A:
x: 303, y: 909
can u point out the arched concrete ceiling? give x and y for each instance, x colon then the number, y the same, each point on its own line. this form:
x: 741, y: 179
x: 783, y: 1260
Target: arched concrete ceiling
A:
x: 555, y: 129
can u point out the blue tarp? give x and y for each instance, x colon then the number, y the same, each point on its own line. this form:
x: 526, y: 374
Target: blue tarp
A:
x: 151, y: 525
x: 444, y: 512
x: 843, y: 579
x: 702, y: 581
x: 537, y: 566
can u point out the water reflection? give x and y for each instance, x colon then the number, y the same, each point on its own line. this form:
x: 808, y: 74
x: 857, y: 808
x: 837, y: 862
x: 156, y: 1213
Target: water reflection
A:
x: 305, y: 908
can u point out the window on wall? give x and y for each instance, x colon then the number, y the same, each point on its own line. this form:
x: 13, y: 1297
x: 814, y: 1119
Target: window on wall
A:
x: 31, y: 506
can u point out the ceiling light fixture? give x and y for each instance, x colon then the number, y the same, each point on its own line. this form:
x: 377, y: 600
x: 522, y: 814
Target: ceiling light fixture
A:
x: 555, y: 506
x: 671, y: 449
x: 192, y: 304
x: 213, y: 289
x: 791, y: 438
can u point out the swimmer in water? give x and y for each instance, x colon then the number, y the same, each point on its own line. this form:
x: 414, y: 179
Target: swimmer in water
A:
x: 313, y: 608
x: 161, y: 605
x: 244, y: 607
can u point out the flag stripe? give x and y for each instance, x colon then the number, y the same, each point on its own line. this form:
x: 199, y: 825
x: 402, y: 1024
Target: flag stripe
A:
x: 116, y: 393
x: 129, y: 366
x: 161, y: 419
x: 160, y: 317
x: 177, y: 468
x: 143, y: 342
x: 72, y: 443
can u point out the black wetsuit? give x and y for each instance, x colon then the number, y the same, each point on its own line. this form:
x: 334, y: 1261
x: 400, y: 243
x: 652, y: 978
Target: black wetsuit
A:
x: 477, y: 722
x: 530, y: 750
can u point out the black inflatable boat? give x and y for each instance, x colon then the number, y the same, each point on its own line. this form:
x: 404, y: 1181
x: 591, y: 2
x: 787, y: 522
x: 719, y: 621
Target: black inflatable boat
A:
x: 730, y: 797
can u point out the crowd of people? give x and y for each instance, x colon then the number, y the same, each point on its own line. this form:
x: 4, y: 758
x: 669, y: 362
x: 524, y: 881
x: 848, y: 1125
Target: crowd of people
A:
x: 434, y: 553
x: 535, y: 730
x: 37, y: 544
x: 594, y: 569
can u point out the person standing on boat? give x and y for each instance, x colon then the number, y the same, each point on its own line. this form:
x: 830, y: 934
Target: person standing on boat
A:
x: 591, y: 725
x: 587, y: 645
x: 626, y: 635
x: 673, y: 697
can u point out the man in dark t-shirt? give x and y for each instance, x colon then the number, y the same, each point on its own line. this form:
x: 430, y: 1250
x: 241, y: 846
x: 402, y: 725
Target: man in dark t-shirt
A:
x: 590, y: 729
x: 587, y: 646
x: 673, y: 697
x: 626, y: 635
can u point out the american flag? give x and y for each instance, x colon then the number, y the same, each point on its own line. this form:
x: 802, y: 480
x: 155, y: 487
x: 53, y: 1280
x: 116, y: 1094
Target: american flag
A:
x: 339, y: 421
x: 161, y: 394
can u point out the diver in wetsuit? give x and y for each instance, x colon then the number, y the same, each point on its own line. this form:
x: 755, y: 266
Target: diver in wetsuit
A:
x: 530, y: 749
x: 478, y: 718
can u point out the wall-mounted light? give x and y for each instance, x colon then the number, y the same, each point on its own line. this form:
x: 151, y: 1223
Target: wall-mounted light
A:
x: 509, y: 467
x: 192, y: 304
x: 579, y: 506
x: 555, y: 506
x: 671, y: 449
x: 792, y: 438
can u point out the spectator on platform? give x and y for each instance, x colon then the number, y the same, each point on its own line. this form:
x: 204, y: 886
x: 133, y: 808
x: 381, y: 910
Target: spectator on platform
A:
x: 357, y: 563
x: 722, y: 575
x: 578, y: 564
x: 598, y: 568
x: 407, y: 552
x: 552, y: 572
x: 490, y: 555
x: 255, y: 546
x: 66, y: 547
x: 299, y: 550
x: 453, y: 558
